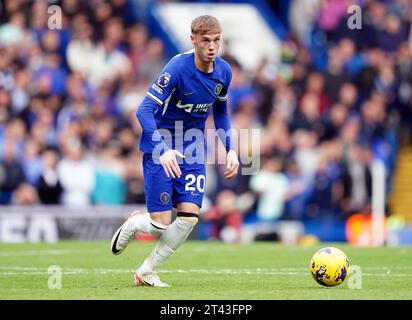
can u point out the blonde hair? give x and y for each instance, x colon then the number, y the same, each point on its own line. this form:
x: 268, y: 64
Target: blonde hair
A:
x: 205, y: 24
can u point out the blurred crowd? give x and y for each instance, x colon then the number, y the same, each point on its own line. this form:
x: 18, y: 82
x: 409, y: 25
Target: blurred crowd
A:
x: 337, y: 100
x: 68, y: 131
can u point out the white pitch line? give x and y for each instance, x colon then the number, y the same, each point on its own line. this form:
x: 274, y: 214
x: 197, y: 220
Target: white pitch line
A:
x: 16, y: 270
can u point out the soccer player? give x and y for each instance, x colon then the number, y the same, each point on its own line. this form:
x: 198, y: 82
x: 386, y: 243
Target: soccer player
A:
x: 178, y: 101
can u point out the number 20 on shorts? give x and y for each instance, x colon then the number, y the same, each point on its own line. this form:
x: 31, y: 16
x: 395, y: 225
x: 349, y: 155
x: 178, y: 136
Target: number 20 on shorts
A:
x: 194, y: 183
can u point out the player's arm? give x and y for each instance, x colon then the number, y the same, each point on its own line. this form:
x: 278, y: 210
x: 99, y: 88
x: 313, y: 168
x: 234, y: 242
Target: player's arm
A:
x: 167, y: 158
x: 145, y: 114
x: 159, y: 92
x: 223, y: 126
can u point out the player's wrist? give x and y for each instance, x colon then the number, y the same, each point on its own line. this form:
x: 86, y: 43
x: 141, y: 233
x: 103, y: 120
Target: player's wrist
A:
x: 164, y: 149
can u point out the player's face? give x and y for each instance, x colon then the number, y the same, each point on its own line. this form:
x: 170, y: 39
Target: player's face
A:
x: 207, y: 45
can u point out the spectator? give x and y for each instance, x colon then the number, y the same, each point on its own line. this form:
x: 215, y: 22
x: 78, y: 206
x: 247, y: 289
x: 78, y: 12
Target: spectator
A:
x: 110, y: 185
x: 11, y: 173
x: 357, y: 180
x: 153, y: 60
x: 108, y: 61
x: 224, y: 220
x: 80, y: 48
x: 302, y: 17
x: 306, y: 154
x: 271, y: 185
x: 137, y: 39
x: 49, y: 186
x: 330, y: 13
x: 327, y: 191
x: 32, y: 164
x: 335, y: 75
x: 76, y: 174
x: 134, y: 178
x: 393, y: 34
x: 25, y: 194
x: 296, y: 198
x: 315, y: 85
x: 334, y: 121
x: 348, y: 97
x: 307, y: 117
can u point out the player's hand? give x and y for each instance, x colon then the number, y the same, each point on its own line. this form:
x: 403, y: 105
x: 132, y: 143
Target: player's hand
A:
x: 169, y: 163
x: 232, y: 165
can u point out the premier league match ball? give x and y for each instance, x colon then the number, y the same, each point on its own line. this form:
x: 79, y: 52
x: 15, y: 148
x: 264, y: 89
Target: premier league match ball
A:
x: 329, y: 266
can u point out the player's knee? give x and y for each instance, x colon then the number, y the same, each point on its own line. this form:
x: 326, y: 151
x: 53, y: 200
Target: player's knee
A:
x: 188, y: 216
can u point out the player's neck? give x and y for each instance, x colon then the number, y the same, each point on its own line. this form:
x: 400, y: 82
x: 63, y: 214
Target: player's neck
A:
x: 204, y: 66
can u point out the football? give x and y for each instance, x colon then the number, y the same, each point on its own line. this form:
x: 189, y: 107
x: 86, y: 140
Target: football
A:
x: 329, y: 266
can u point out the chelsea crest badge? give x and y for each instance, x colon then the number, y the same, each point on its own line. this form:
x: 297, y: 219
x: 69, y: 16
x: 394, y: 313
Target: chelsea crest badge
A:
x: 218, y: 88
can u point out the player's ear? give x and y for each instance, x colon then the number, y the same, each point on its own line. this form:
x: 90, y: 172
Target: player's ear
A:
x: 192, y: 38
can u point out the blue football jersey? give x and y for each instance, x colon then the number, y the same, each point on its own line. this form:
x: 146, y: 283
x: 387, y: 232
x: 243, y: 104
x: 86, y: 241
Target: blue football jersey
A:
x: 184, y: 95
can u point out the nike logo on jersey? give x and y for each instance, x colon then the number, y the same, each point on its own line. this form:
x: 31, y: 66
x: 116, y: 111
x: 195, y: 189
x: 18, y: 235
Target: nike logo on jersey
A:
x: 188, y: 93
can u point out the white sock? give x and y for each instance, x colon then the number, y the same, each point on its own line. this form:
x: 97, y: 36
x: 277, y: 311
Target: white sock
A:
x: 143, y: 223
x: 170, y: 240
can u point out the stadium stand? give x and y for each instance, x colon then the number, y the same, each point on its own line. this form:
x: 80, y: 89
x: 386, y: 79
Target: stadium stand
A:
x: 337, y: 100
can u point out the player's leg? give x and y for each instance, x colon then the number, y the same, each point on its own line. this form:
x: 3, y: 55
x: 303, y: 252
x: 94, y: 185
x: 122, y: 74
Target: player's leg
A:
x: 175, y: 234
x: 151, y: 222
x: 138, y: 221
x: 158, y: 190
x: 159, y: 221
x: 167, y: 245
x: 173, y: 237
x: 188, y: 192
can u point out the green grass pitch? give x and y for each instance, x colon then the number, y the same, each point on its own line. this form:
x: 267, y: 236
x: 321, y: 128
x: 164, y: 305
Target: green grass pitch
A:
x: 198, y: 271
